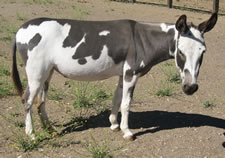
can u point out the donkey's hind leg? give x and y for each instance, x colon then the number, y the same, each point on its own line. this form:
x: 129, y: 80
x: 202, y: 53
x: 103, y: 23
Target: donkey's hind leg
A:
x: 116, y: 105
x: 34, y: 88
x: 41, y: 107
x: 26, y: 95
x: 37, y: 73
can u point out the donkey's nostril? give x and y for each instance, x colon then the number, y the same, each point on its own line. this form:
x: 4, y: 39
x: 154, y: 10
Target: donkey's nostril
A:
x: 186, y: 71
x: 195, y: 87
x: 185, y: 87
x: 190, y: 89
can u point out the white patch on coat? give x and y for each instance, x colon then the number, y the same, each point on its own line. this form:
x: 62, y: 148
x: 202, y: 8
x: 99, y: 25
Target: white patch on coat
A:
x: 102, y: 68
x: 166, y: 28
x: 45, y: 29
x: 104, y: 33
x: 142, y: 64
x: 79, y: 43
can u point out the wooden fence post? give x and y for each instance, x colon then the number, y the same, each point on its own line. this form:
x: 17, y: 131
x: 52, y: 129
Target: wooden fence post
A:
x: 215, y: 6
x: 170, y: 3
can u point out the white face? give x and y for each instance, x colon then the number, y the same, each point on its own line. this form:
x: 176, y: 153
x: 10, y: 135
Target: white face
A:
x: 189, y: 56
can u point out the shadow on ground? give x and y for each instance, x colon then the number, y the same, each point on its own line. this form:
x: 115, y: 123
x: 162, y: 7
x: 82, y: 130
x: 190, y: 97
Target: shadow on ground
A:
x: 224, y: 142
x: 154, y: 121
x: 163, y: 120
x: 80, y: 124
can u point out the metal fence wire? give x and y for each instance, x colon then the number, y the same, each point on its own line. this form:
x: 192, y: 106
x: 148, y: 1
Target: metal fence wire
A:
x: 192, y: 5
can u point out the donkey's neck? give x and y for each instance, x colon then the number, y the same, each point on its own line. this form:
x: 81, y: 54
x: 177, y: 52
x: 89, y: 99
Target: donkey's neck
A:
x: 158, y: 42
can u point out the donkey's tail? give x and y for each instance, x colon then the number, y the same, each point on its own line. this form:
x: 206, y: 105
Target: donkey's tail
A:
x: 15, y: 73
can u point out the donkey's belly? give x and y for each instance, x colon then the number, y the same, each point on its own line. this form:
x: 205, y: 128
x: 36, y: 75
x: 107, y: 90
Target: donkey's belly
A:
x: 88, y: 69
x: 89, y: 73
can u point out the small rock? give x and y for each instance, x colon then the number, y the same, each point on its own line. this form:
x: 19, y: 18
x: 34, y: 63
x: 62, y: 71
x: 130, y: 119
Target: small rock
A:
x: 40, y: 149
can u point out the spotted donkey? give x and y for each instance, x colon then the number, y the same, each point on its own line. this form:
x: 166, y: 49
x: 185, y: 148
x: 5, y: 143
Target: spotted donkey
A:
x: 97, y: 50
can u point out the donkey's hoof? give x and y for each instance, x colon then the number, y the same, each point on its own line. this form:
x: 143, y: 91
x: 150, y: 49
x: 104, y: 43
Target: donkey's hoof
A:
x: 129, y: 138
x: 115, y: 128
x: 32, y: 136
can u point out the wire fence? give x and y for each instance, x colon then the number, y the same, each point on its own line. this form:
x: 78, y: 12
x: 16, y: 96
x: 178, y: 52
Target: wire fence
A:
x: 206, y: 6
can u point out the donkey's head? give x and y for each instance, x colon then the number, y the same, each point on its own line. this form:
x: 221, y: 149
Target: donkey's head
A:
x: 190, y: 49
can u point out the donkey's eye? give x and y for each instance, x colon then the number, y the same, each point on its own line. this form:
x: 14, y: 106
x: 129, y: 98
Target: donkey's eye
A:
x: 189, y: 33
x: 181, y: 54
x: 181, y: 59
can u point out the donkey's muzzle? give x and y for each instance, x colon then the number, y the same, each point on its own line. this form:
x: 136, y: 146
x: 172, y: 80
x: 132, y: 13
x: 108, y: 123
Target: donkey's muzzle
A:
x: 190, y: 89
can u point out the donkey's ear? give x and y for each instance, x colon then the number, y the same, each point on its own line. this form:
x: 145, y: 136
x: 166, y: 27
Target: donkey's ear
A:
x: 209, y: 24
x: 181, y: 24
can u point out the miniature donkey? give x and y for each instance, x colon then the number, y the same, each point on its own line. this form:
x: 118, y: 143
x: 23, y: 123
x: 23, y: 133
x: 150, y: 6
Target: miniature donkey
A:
x: 97, y: 50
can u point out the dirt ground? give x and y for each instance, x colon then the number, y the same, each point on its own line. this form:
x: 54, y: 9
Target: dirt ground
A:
x: 168, y: 127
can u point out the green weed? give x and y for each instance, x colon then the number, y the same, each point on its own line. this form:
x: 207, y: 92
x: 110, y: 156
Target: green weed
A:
x: 6, y: 38
x: 82, y: 102
x: 174, y: 77
x: 79, y: 121
x: 19, y: 124
x: 75, y: 122
x: 8, y: 29
x: 5, y: 88
x: 171, y: 72
x: 20, y: 17
x: 18, y: 139
x: 171, y: 81
x: 164, y: 92
x: 44, y: 1
x: 4, y: 71
x: 12, y: 29
x: 98, y: 150
x: 88, y: 94
x: 79, y: 13
x: 24, y: 83
x: 209, y: 104
x: 15, y: 114
x: 26, y: 144
x: 167, y: 64
x: 165, y: 89
x: 54, y: 94
x: 101, y: 95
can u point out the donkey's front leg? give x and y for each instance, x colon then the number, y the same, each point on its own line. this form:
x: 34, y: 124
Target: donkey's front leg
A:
x: 129, y: 82
x: 116, y: 105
